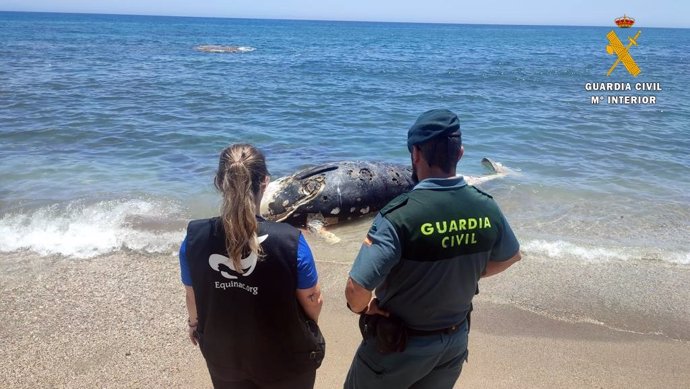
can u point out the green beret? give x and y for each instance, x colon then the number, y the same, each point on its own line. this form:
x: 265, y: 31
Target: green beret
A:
x: 432, y: 124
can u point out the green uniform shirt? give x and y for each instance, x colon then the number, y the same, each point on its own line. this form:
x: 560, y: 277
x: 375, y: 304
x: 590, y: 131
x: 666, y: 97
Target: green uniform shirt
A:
x: 426, y: 250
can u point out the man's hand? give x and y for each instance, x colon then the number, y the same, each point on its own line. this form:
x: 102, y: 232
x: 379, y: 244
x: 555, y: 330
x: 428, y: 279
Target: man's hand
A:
x: 373, y: 308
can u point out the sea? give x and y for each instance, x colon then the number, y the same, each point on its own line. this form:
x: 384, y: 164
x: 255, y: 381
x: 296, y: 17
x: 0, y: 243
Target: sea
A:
x: 111, y: 127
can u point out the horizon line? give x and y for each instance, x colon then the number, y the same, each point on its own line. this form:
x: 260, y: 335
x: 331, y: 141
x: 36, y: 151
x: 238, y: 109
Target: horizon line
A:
x: 327, y: 20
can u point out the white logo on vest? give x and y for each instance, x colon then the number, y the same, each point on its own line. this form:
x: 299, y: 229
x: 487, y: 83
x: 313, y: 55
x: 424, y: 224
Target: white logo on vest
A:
x: 248, y: 263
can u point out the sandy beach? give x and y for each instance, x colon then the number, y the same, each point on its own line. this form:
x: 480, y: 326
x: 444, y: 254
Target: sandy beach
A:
x: 118, y: 321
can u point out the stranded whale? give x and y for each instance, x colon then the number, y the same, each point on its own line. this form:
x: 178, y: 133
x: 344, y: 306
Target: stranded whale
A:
x: 335, y: 192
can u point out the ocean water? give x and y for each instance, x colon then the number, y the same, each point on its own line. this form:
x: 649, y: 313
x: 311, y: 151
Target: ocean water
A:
x: 110, y: 126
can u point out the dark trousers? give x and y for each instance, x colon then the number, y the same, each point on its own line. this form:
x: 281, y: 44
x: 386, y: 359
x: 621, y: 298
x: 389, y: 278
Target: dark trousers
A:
x: 226, y: 379
x: 428, y: 362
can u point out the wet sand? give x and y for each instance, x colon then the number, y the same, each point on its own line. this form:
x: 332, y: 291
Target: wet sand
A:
x: 118, y: 321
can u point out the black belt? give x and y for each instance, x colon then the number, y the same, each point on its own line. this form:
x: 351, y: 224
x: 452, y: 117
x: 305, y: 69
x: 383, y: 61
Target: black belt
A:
x: 447, y: 330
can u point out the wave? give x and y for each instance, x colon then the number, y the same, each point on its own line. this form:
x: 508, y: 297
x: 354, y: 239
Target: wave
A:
x: 566, y: 250
x: 84, y: 230
x: 573, y: 318
x: 245, y: 49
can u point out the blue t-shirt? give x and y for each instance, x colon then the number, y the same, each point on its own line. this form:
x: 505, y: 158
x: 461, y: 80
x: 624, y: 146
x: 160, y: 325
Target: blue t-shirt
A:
x: 306, y: 269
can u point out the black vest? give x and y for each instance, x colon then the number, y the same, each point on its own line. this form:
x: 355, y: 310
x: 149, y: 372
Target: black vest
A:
x: 251, y: 322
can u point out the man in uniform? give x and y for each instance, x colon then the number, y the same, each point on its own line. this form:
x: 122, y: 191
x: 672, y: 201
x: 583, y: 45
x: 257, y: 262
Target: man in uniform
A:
x: 424, y: 255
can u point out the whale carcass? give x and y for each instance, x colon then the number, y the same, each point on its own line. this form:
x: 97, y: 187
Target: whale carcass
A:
x: 340, y: 191
x: 223, y: 49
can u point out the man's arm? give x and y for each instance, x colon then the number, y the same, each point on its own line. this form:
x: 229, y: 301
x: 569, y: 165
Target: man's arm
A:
x: 377, y: 256
x: 506, y: 250
x: 357, y: 296
x: 493, y: 267
x: 359, y: 299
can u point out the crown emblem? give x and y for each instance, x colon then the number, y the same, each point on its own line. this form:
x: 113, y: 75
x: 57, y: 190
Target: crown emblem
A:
x: 624, y: 21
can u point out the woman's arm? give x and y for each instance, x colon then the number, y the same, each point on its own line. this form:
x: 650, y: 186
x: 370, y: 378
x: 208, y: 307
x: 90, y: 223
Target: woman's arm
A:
x: 193, y: 320
x: 311, y: 301
x: 308, y: 289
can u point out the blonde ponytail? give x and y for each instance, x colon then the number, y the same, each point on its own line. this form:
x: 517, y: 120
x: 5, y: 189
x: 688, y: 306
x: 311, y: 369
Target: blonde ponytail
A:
x: 241, y: 171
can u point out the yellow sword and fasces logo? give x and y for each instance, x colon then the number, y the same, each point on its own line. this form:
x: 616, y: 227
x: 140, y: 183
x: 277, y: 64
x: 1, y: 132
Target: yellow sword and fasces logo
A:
x: 615, y: 46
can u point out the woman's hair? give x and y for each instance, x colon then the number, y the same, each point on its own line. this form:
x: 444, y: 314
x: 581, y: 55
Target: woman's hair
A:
x: 241, y: 172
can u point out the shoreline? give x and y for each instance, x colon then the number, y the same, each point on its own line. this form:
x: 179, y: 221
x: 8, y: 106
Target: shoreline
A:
x: 119, y: 321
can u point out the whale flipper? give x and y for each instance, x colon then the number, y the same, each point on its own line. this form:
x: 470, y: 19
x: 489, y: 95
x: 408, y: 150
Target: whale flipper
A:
x: 317, y: 224
x: 494, y: 167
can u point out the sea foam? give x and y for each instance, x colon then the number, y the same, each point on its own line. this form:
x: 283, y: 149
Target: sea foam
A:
x: 560, y: 249
x: 85, y: 230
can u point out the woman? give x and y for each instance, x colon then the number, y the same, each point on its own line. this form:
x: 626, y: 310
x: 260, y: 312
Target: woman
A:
x: 253, y: 296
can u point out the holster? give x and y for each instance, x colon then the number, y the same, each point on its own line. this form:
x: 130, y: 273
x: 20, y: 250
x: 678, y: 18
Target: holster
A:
x: 389, y: 333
